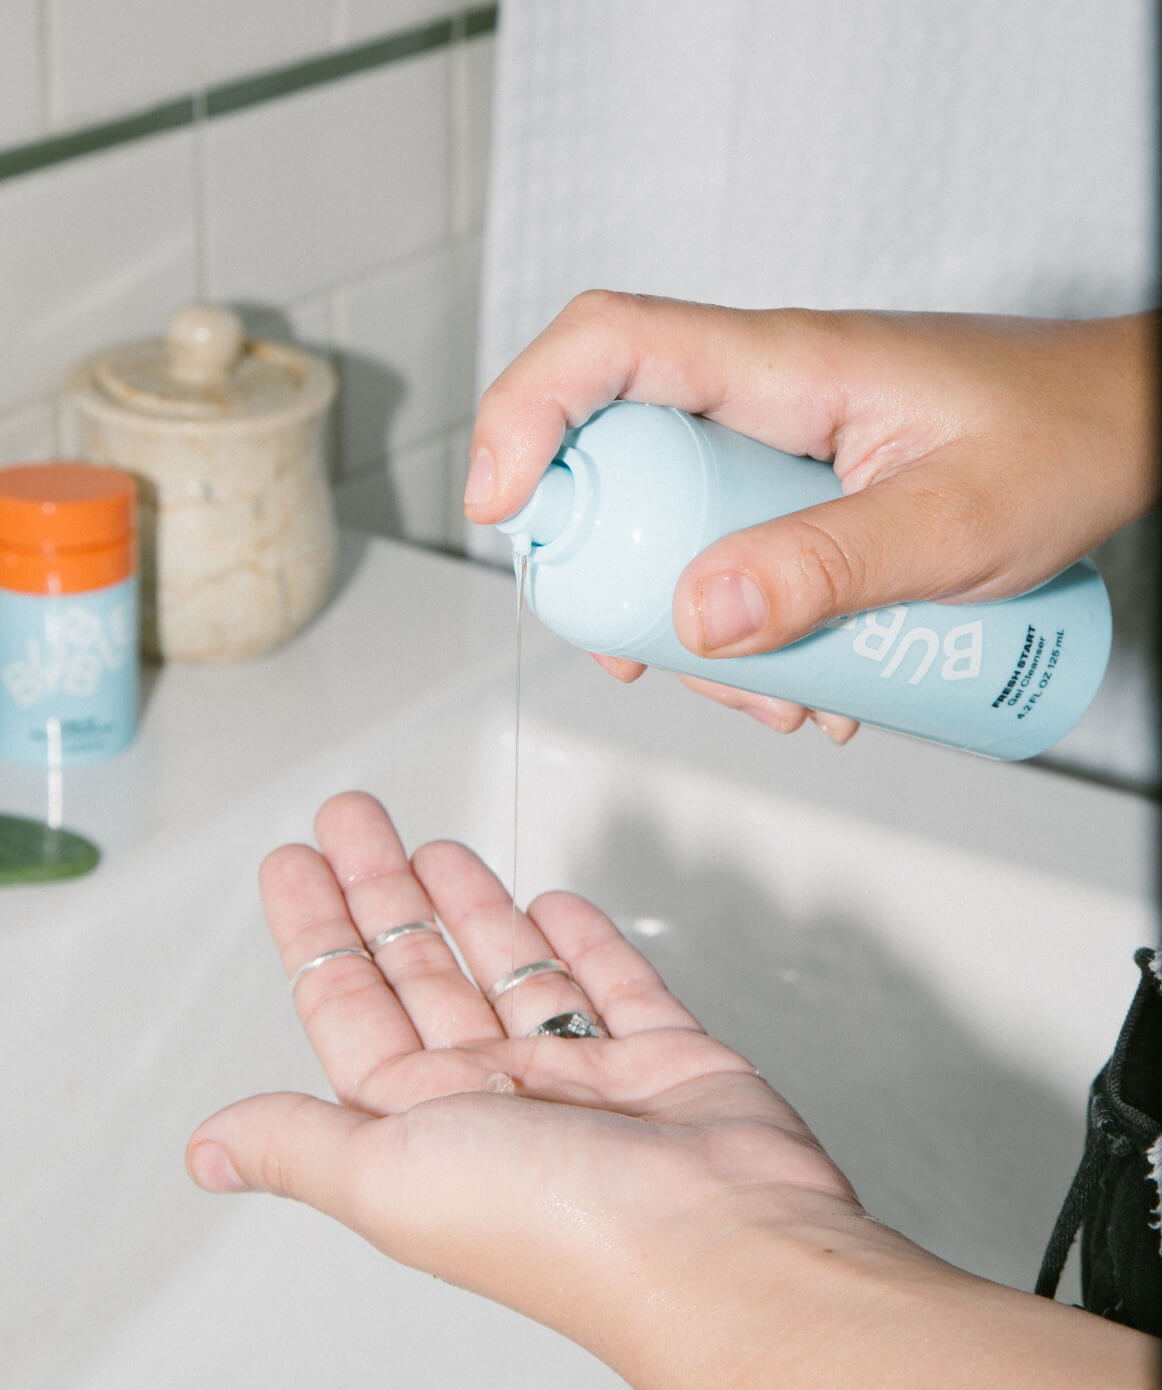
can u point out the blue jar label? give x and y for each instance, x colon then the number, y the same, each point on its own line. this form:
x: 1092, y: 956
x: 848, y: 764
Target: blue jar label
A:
x: 68, y: 674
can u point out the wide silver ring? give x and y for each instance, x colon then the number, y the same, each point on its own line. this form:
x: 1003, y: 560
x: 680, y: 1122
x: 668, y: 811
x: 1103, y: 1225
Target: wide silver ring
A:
x: 572, y: 1025
x: 526, y: 972
x: 385, y: 938
x: 324, y: 958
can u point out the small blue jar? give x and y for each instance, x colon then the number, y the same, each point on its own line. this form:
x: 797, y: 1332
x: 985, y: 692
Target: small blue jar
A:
x: 68, y: 613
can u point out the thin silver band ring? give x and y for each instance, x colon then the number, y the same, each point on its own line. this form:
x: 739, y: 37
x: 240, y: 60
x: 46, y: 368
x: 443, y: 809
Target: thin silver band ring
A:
x: 385, y: 938
x: 526, y: 972
x: 324, y: 958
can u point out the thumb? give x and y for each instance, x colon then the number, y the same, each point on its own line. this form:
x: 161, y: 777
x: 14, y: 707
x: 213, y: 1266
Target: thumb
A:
x: 286, y: 1144
x: 901, y: 539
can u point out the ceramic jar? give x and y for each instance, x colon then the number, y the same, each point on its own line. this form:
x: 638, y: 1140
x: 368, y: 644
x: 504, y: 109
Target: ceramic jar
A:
x: 224, y: 436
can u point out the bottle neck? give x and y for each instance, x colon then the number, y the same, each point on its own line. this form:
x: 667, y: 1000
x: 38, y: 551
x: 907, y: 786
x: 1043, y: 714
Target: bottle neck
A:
x: 547, y: 512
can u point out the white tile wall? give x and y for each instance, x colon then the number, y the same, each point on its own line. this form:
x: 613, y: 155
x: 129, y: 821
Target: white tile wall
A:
x: 306, y: 322
x: 110, y: 59
x: 418, y: 478
x: 459, y: 442
x: 367, y: 19
x: 346, y: 217
x: 21, y: 86
x: 472, y: 118
x: 330, y: 183
x: 409, y: 496
x: 424, y: 311
x: 91, y: 252
x: 29, y: 433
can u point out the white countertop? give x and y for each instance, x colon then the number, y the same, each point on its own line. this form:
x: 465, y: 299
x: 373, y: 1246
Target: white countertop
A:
x: 404, y: 624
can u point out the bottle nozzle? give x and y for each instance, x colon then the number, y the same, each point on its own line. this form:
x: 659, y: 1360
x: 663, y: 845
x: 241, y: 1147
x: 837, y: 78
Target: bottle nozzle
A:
x: 547, y: 512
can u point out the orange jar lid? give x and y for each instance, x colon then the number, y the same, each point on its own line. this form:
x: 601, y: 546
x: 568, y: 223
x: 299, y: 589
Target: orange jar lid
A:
x: 65, y: 527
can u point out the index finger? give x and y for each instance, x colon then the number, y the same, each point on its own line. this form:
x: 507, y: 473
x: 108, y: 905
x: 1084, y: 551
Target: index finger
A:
x: 729, y: 364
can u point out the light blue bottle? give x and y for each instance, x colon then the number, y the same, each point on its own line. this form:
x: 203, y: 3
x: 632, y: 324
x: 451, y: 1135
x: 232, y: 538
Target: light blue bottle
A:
x: 68, y: 675
x: 639, y: 490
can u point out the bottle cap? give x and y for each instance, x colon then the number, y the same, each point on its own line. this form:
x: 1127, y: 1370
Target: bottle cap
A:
x: 65, y: 527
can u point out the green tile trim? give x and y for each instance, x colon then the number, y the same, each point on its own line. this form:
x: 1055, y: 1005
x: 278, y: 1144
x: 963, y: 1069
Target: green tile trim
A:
x: 332, y: 67
x: 240, y: 93
x: 481, y: 20
x: 26, y: 159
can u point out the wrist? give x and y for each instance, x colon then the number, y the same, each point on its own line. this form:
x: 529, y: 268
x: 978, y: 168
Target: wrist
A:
x: 848, y: 1301
x: 1124, y: 359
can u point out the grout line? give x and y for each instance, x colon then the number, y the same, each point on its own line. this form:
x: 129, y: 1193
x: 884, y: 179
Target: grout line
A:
x: 44, y: 38
x: 338, y: 336
x: 450, y: 245
x: 333, y: 443
x: 200, y: 196
x: 241, y: 93
x: 482, y: 19
x: 454, y: 98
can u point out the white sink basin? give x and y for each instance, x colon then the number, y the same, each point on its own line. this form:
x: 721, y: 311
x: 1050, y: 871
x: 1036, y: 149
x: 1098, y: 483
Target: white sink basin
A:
x: 929, y: 954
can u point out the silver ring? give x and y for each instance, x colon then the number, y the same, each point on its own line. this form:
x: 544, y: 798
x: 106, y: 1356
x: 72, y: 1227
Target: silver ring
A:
x: 324, y: 958
x: 572, y: 1025
x: 526, y: 972
x: 385, y: 938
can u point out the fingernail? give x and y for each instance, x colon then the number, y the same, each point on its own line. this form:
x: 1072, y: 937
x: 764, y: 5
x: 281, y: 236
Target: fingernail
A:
x: 616, y: 666
x: 776, y: 715
x: 211, y: 1169
x: 481, y: 478
x: 731, y: 606
x: 837, y: 728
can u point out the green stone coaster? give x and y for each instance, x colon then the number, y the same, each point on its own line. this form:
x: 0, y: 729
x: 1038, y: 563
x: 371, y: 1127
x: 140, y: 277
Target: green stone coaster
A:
x: 32, y: 852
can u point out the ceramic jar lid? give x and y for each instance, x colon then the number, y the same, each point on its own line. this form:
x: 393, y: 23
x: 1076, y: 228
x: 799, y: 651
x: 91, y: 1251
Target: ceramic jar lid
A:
x: 205, y: 370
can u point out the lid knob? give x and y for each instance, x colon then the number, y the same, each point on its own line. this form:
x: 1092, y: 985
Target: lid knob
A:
x: 202, y: 344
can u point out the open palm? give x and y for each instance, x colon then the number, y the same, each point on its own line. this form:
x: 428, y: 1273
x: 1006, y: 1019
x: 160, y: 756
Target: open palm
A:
x: 465, y: 1147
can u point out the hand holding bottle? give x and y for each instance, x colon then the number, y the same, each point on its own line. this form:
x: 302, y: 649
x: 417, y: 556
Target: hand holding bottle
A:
x: 978, y: 456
